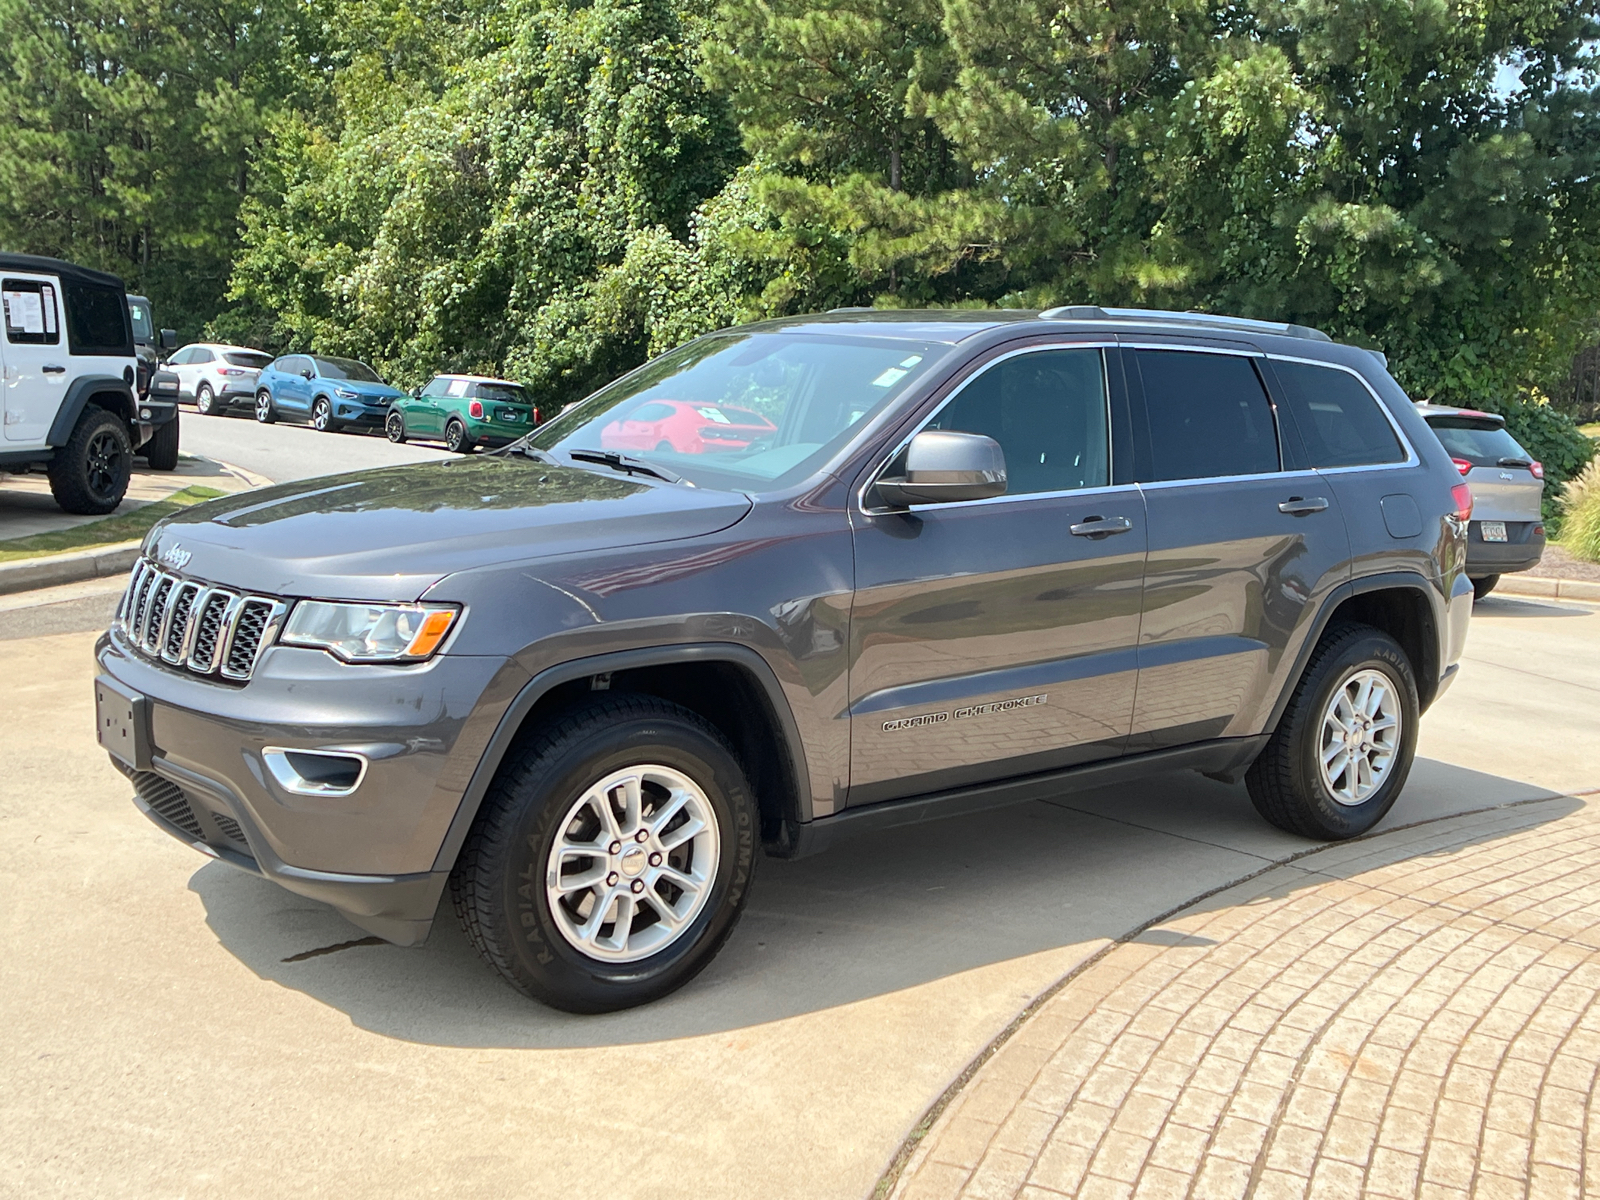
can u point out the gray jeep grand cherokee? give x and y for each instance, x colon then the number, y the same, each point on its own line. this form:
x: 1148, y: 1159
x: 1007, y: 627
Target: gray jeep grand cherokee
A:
x: 910, y: 564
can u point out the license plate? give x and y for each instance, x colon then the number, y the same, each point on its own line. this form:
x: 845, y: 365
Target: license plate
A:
x: 510, y: 416
x: 1493, y: 531
x: 122, y: 722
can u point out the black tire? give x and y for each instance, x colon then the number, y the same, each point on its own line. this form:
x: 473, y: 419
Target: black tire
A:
x: 205, y: 402
x: 1483, y: 585
x: 664, y: 445
x: 322, y: 416
x: 394, y: 427
x: 161, y: 451
x: 455, y: 437
x: 1286, y: 782
x: 89, y: 475
x: 526, y: 809
x: 265, y: 412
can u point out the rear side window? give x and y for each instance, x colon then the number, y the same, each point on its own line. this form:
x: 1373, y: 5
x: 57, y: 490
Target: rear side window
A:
x: 1338, y: 418
x: 30, y: 312
x: 240, y: 358
x: 1209, y: 416
x: 201, y: 355
x: 97, y: 320
x: 1482, y: 443
x: 1047, y: 410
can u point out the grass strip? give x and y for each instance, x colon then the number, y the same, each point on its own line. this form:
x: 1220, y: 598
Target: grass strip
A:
x: 124, y: 527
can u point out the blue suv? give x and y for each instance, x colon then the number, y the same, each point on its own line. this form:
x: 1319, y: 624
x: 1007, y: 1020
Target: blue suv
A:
x: 328, y: 393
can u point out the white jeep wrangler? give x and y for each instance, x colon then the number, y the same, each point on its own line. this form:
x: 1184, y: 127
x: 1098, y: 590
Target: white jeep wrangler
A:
x: 68, y: 368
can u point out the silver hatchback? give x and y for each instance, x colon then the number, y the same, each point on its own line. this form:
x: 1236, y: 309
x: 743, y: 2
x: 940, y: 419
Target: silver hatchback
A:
x: 1506, y: 533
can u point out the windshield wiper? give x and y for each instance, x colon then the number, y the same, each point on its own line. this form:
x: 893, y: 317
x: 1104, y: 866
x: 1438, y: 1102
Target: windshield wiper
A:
x: 624, y: 462
x: 531, y: 452
x: 1515, y: 462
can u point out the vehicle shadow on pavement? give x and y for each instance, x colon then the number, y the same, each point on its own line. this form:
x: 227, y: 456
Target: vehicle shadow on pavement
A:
x: 873, y: 915
x: 1516, y: 606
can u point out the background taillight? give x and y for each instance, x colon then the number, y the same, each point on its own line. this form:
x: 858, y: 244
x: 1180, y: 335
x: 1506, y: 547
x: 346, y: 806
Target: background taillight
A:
x: 1537, y: 468
x: 1462, y: 465
x: 475, y: 409
x: 1461, y: 494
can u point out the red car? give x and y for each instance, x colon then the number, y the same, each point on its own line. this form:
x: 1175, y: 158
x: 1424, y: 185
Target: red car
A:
x: 685, y: 428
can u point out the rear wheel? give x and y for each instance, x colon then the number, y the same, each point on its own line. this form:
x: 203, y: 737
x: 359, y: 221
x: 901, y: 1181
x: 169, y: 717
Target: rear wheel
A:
x: 161, y: 451
x: 611, y: 858
x: 394, y: 427
x: 1343, y: 749
x: 205, y: 403
x: 265, y: 413
x: 455, y: 437
x: 1483, y: 585
x: 89, y: 475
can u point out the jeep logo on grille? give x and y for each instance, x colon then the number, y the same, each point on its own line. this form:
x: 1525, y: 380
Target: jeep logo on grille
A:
x: 176, y: 557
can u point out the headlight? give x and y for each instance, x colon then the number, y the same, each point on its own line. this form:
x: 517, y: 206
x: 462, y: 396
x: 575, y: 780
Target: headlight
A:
x: 345, y: 393
x: 369, y: 632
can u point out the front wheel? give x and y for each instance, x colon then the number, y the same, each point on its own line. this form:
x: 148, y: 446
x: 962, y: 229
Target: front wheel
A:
x: 1343, y: 748
x: 394, y: 427
x: 161, y: 451
x: 89, y: 475
x: 455, y: 437
x: 322, y: 416
x: 1483, y: 585
x: 611, y: 857
x: 265, y: 413
x: 205, y: 401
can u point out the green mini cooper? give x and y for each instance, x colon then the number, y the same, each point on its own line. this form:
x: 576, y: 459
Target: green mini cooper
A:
x: 464, y: 412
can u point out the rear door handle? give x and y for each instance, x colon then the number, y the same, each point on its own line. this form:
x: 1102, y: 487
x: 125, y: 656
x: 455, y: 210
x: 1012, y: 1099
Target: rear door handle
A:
x: 52, y: 369
x: 1296, y: 506
x: 1101, y: 526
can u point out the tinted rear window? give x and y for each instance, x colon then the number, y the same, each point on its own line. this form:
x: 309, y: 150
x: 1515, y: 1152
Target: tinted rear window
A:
x: 240, y: 358
x: 502, y: 393
x: 97, y: 320
x: 1337, y: 417
x: 1482, y: 443
x: 1208, y: 416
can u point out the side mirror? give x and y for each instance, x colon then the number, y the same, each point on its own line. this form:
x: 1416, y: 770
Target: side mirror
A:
x: 169, y: 339
x: 942, y: 466
x: 307, y: 373
x: 416, y: 393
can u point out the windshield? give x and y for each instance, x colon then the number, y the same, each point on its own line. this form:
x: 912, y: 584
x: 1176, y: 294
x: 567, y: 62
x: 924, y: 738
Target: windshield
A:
x: 508, y: 393
x: 1482, y: 443
x: 139, y: 311
x: 737, y: 410
x: 347, y: 368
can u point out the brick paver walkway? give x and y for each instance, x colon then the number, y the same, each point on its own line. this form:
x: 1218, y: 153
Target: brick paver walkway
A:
x: 1411, y: 1015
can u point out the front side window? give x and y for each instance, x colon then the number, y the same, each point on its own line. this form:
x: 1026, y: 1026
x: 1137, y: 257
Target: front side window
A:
x: 739, y: 410
x: 437, y: 386
x: 30, y: 312
x: 97, y: 320
x: 1337, y: 417
x: 1208, y: 416
x: 139, y: 313
x: 180, y: 358
x: 1047, y: 409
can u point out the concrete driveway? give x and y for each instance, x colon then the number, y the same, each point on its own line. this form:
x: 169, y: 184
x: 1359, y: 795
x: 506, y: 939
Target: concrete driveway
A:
x: 174, y: 1027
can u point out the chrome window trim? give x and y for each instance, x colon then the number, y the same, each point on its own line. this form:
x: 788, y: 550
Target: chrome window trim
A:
x: 1181, y: 348
x: 876, y: 472
x: 1412, y: 458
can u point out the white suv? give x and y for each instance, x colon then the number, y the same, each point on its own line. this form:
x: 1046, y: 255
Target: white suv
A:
x: 67, y: 371
x: 217, y: 377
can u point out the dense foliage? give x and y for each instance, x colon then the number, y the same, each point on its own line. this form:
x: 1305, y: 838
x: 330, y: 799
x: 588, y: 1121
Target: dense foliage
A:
x: 555, y: 189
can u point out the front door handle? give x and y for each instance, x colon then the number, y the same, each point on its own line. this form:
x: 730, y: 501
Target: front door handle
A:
x: 1297, y: 506
x: 1101, y: 526
x: 52, y: 369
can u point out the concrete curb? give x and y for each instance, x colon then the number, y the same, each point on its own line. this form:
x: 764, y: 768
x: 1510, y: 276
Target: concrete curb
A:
x: 71, y: 567
x: 1550, y: 589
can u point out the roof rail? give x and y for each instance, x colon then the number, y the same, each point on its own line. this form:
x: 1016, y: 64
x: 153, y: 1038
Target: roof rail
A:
x: 1093, y: 312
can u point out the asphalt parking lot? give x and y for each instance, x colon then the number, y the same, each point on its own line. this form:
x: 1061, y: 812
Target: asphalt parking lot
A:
x: 176, y: 1027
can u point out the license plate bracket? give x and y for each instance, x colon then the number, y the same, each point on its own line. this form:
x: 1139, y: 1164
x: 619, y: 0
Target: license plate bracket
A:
x: 122, y: 722
x: 1492, y: 531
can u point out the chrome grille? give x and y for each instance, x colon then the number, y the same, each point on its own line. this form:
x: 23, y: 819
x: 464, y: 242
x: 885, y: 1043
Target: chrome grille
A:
x: 192, y: 625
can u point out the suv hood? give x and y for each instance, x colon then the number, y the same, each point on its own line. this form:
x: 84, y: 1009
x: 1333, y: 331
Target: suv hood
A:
x: 392, y: 533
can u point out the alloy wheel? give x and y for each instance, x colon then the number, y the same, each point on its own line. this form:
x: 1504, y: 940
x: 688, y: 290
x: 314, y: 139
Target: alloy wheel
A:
x: 104, y: 465
x: 1361, y: 736
x: 321, y: 416
x: 263, y: 407
x: 633, y: 864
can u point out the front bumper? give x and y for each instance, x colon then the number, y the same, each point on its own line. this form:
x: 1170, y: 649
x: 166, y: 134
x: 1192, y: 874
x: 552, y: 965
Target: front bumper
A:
x: 1522, y: 549
x: 371, y: 853
x: 357, y: 412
